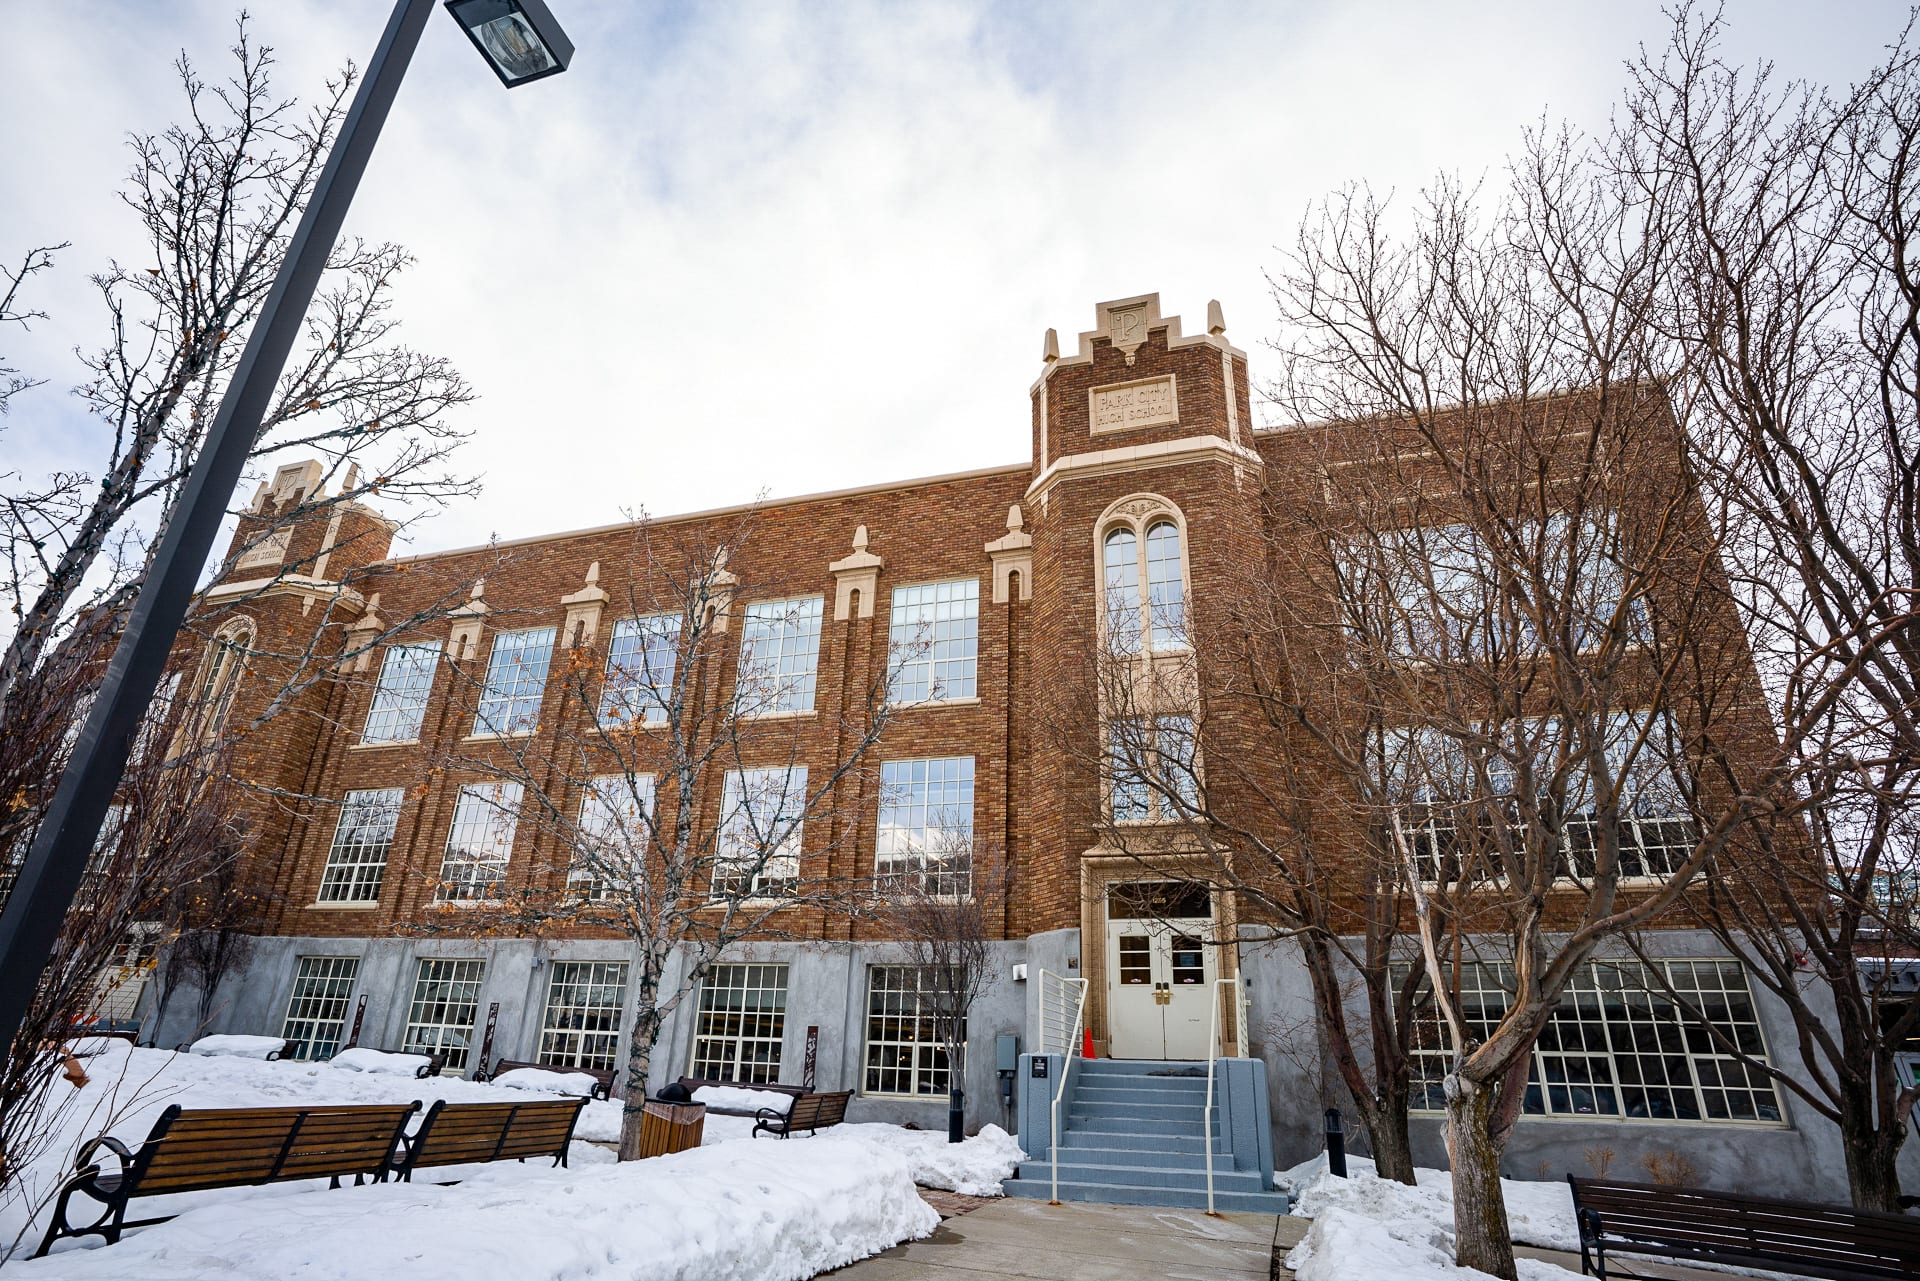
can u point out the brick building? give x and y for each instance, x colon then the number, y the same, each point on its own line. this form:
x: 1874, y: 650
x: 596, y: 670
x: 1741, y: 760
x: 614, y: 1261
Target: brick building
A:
x: 1147, y: 477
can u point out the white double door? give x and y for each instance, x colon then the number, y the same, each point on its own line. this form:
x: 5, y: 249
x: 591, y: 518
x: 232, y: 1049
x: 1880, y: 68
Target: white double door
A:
x: 1159, y: 982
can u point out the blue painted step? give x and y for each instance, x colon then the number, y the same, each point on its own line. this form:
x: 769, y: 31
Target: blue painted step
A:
x: 1169, y: 1198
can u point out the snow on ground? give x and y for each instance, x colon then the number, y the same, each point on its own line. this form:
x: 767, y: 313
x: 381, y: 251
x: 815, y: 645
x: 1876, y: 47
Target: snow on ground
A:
x: 839, y: 1196
x: 1366, y: 1227
x: 752, y: 1212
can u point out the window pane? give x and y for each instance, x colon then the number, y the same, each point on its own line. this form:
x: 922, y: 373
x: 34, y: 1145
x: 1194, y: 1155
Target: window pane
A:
x: 926, y: 824
x: 760, y: 831
x: 446, y: 1005
x: 1122, y: 560
x: 400, y: 699
x: 581, y: 1027
x: 934, y: 638
x: 741, y: 1022
x: 609, y: 857
x: 317, y: 1010
x: 357, y: 862
x: 1128, y: 753
x: 905, y: 1054
x: 779, y: 650
x: 516, y: 680
x: 1166, y: 587
x: 480, y: 842
x: 640, y: 665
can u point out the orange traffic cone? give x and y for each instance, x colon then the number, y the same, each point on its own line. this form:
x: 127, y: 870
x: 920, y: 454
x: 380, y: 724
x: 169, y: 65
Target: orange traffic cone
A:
x: 1086, y: 1042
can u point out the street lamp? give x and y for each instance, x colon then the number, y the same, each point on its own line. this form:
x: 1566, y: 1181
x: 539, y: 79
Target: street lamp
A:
x: 522, y: 42
x: 518, y: 38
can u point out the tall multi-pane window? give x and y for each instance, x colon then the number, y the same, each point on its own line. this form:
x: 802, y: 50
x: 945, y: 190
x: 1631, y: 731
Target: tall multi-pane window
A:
x: 153, y: 725
x: 581, y: 1027
x: 905, y: 1054
x: 516, y: 680
x: 926, y: 825
x: 357, y: 861
x: 779, y: 651
x: 1145, y: 589
x: 446, y: 1005
x: 220, y: 674
x: 608, y: 857
x: 742, y: 1018
x: 480, y: 842
x: 1154, y: 772
x: 1618, y: 1044
x: 400, y: 697
x: 934, y: 637
x: 640, y: 664
x: 317, y: 1010
x: 760, y: 830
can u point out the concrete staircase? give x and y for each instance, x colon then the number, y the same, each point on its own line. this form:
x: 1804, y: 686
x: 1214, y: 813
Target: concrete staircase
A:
x: 1135, y: 1133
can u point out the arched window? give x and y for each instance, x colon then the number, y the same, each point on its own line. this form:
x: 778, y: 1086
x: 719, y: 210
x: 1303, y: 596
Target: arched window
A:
x: 220, y: 674
x: 1143, y: 571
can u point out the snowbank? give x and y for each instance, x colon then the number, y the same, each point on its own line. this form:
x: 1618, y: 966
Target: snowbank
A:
x: 974, y: 1168
x: 554, y: 1082
x: 243, y: 1047
x: 360, y: 1059
x: 742, y: 1099
x: 1366, y: 1227
x: 767, y: 1211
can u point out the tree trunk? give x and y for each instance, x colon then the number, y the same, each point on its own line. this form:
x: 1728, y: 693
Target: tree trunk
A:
x: 1392, y: 1148
x: 646, y: 1029
x: 1873, y: 1155
x: 1481, y: 1238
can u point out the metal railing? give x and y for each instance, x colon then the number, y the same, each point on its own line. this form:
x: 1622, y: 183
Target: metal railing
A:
x: 1063, y: 1007
x: 1237, y: 992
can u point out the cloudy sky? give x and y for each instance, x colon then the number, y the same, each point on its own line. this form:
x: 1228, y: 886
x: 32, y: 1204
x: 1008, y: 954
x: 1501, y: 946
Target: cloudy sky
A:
x: 793, y: 247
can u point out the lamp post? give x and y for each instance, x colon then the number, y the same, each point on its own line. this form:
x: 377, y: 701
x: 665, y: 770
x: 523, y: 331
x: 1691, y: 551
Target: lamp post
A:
x: 521, y: 42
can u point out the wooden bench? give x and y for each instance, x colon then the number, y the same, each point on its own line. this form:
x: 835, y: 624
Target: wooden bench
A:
x: 810, y: 1112
x: 198, y: 1149
x: 692, y: 1083
x: 1743, y: 1231
x: 469, y: 1133
x: 604, y: 1077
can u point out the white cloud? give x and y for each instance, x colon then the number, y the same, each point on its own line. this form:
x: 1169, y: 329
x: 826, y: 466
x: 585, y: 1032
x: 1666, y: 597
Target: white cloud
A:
x: 799, y: 247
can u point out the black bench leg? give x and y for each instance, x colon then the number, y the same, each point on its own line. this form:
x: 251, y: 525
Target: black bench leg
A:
x: 59, y: 1227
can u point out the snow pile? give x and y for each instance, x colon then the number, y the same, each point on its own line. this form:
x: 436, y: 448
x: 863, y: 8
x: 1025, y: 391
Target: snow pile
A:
x: 765, y: 1211
x: 364, y: 1060
x: 242, y: 1047
x: 555, y: 1081
x: 743, y: 1100
x: 974, y: 1168
x: 1366, y: 1227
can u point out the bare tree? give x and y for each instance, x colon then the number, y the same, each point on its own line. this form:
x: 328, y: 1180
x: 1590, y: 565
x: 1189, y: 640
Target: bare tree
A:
x: 14, y: 311
x: 679, y: 803
x: 217, y: 198
x: 1797, y: 319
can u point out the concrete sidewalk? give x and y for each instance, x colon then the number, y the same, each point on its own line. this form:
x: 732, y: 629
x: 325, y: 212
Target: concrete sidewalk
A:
x: 1080, y: 1242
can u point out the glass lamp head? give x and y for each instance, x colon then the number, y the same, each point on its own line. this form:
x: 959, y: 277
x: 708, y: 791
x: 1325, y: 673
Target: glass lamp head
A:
x: 520, y: 39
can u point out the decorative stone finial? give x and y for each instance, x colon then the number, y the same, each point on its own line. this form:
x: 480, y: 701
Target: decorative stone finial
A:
x: 1050, y: 349
x: 583, y: 609
x: 1216, y: 319
x: 353, y: 478
x: 860, y: 538
x: 1015, y: 521
x: 593, y: 573
x: 858, y: 572
x: 479, y: 589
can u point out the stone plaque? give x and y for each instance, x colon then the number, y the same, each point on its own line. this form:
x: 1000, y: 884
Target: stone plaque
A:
x: 1149, y: 402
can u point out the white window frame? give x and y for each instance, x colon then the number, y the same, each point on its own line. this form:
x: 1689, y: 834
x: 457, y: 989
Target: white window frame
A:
x: 747, y: 1049
x: 228, y: 656
x: 516, y: 683
x: 576, y: 1029
x: 1144, y: 609
x: 400, y: 695
x: 900, y: 1026
x: 1582, y: 1041
x: 444, y: 1009
x: 933, y: 636
x: 762, y: 822
x: 642, y: 656
x: 321, y: 996
x: 779, y: 657
x: 479, y: 847
x: 1178, y: 771
x: 356, y: 865
x: 614, y: 814
x: 925, y: 829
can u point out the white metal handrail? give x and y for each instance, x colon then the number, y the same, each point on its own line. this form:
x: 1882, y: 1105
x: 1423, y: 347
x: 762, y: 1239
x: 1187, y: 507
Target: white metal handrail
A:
x: 1215, y: 1047
x: 1060, y: 1026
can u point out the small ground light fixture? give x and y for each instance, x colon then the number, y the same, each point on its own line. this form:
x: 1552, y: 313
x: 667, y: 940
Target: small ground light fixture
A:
x: 519, y: 38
